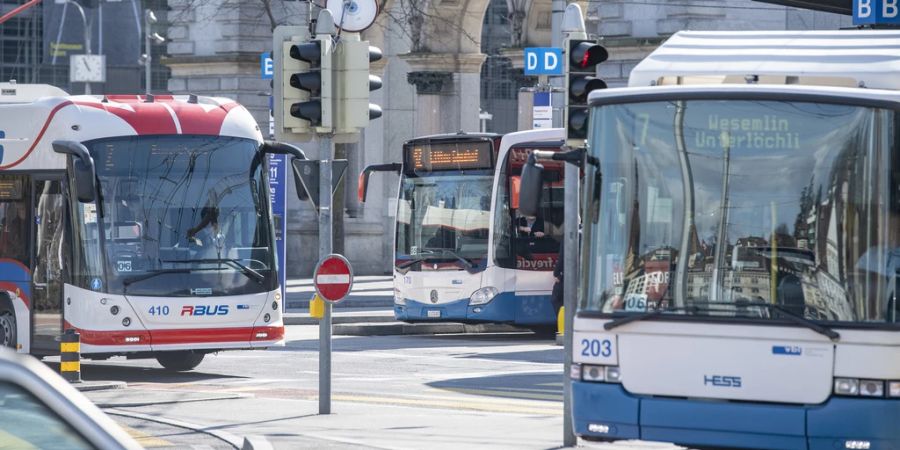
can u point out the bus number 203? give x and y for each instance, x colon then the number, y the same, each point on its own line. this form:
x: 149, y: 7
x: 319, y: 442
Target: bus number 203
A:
x: 596, y: 347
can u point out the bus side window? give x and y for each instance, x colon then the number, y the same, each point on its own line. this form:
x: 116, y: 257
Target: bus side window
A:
x: 14, y: 232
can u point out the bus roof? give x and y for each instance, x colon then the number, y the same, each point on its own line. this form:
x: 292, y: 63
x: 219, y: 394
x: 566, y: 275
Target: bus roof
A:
x: 13, y: 92
x: 27, y: 129
x: 452, y: 136
x: 850, y: 58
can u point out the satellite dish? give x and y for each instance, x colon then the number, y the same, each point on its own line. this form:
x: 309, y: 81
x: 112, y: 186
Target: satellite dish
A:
x: 353, y: 15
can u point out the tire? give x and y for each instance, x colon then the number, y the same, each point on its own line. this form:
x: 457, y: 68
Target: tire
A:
x: 7, y: 328
x: 180, y: 361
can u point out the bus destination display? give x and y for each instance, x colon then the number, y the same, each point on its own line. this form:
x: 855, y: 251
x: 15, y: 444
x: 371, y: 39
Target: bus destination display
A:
x: 450, y: 156
x: 10, y: 189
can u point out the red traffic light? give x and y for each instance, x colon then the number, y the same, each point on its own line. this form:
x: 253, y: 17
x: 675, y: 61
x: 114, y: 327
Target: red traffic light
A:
x: 586, y: 54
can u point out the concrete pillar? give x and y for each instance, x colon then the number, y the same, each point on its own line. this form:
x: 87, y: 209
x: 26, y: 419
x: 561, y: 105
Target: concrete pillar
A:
x: 448, y: 91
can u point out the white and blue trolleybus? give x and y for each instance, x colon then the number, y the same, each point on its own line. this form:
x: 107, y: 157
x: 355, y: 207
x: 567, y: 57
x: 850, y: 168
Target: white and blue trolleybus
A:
x: 463, y: 253
x: 740, y: 258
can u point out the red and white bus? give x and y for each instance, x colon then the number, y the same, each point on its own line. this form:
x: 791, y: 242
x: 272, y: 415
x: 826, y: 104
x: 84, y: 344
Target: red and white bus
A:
x: 142, y: 222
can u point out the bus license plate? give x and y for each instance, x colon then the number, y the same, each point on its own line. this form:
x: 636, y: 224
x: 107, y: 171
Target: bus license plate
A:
x: 435, y: 313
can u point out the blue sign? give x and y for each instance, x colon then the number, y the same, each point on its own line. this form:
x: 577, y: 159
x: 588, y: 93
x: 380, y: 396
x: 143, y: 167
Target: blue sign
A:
x: 266, y: 66
x: 278, y: 200
x: 541, y: 99
x: 543, y: 61
x: 2, y: 135
x: 876, y: 12
x: 96, y: 284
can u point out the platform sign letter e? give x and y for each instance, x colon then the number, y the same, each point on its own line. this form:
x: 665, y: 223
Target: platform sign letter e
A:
x: 543, y: 61
x: 872, y: 12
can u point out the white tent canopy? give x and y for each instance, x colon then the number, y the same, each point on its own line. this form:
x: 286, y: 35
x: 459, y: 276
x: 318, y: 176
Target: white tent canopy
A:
x: 851, y: 58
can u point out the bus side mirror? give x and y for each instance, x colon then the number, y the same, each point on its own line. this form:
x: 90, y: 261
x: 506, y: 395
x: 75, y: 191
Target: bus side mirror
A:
x: 281, y: 148
x: 530, y: 188
x: 83, y: 168
x: 364, y: 177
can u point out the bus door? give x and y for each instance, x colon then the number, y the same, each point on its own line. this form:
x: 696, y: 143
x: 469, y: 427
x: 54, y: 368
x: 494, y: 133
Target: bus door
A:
x: 49, y: 252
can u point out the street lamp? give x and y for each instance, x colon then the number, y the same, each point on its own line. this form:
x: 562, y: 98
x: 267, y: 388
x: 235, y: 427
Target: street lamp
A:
x: 149, y: 39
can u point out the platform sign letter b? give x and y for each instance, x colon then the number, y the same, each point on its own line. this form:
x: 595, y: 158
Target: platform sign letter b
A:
x: 876, y: 12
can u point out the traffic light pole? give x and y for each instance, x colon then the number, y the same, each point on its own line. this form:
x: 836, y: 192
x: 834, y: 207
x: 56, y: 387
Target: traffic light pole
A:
x: 570, y: 286
x: 326, y: 153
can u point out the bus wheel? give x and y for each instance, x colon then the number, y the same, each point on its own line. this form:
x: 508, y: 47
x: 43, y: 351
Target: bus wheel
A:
x: 7, y: 327
x: 180, y: 361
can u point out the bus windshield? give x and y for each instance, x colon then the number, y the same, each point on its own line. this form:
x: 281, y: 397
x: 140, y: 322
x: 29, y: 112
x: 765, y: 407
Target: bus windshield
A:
x: 738, y: 208
x: 444, y: 217
x: 181, y: 216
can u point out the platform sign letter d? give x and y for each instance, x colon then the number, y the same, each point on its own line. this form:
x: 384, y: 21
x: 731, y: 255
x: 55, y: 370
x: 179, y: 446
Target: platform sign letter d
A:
x: 532, y: 61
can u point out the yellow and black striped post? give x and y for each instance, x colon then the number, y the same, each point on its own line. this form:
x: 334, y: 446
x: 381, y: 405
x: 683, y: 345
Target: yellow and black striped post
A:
x: 70, y: 356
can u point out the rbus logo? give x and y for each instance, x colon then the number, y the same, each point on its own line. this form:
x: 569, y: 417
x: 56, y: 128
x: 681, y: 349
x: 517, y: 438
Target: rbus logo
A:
x: 204, y: 310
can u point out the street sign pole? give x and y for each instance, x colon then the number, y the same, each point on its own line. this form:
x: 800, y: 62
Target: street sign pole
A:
x: 573, y: 28
x: 326, y: 153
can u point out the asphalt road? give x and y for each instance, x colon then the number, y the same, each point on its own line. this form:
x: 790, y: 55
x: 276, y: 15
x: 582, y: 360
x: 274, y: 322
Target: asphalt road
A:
x: 485, y: 391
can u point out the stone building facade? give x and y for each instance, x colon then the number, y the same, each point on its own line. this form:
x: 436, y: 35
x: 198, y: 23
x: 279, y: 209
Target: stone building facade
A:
x: 432, y: 78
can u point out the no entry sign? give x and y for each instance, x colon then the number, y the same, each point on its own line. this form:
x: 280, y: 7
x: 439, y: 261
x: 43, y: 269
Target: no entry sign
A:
x: 333, y: 278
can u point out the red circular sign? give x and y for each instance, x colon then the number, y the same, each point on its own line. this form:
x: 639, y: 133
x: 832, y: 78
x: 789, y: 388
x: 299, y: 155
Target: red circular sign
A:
x: 333, y: 278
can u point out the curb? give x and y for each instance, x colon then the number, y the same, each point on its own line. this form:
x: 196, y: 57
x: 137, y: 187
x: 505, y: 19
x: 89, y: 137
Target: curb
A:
x: 305, y: 319
x: 399, y: 328
x: 90, y: 386
x: 246, y: 443
x: 346, y: 303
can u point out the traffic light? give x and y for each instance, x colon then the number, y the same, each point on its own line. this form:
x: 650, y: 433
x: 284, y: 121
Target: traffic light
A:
x: 306, y: 92
x: 582, y: 58
x: 353, y: 82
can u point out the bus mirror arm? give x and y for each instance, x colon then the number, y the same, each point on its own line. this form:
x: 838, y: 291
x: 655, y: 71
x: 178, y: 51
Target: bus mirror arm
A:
x: 576, y: 156
x: 364, y: 177
x: 281, y: 148
x: 83, y: 168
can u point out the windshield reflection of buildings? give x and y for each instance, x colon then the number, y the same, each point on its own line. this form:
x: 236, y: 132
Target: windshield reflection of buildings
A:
x: 805, y: 281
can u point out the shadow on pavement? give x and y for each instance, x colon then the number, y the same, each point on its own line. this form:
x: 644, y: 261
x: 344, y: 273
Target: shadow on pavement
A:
x: 363, y: 343
x: 548, y: 356
x: 526, y: 386
x: 92, y: 371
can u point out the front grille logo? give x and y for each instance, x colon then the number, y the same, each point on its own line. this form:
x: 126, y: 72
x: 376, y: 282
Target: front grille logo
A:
x: 434, y: 297
x: 722, y: 381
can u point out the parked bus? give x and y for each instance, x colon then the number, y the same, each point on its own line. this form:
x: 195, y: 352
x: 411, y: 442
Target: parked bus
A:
x: 462, y: 251
x: 739, y: 264
x: 141, y: 222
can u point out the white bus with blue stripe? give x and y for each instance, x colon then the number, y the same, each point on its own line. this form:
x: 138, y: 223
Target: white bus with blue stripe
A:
x: 461, y: 252
x: 741, y: 250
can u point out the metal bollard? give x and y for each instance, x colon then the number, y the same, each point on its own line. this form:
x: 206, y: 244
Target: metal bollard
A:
x: 70, y: 356
x: 561, y: 321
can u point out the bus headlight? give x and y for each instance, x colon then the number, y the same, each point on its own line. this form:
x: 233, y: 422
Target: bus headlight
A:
x: 483, y: 296
x: 601, y: 374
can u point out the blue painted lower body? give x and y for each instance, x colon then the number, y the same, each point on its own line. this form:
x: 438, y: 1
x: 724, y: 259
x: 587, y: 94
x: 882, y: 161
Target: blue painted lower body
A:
x: 735, y: 424
x: 506, y: 307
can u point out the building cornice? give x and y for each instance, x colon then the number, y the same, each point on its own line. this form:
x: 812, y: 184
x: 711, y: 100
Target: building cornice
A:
x: 444, y: 62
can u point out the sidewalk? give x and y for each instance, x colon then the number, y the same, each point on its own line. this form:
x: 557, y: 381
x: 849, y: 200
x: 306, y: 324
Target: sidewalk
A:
x: 371, y: 291
x: 368, y: 311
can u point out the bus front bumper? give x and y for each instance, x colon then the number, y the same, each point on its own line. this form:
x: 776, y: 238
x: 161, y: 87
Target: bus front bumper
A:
x: 608, y: 411
x: 505, y: 307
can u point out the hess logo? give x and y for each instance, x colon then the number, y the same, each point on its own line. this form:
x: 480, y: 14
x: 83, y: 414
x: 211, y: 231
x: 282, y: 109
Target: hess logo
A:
x: 722, y: 381
x: 204, y: 310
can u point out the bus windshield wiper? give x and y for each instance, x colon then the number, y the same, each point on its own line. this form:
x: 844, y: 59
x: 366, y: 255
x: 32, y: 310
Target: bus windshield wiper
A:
x: 465, y: 262
x: 432, y: 252
x: 146, y: 276
x: 793, y: 317
x: 248, y: 272
x: 647, y: 315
